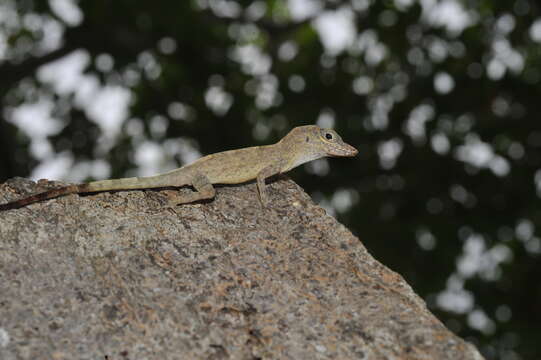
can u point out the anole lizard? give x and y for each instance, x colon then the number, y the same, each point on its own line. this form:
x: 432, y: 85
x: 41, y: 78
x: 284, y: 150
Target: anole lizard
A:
x: 300, y: 145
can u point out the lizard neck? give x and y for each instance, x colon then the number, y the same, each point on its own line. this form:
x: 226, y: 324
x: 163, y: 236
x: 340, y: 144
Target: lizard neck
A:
x: 296, y: 150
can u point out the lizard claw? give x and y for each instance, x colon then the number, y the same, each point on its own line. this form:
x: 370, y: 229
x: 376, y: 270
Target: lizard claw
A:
x: 263, y: 199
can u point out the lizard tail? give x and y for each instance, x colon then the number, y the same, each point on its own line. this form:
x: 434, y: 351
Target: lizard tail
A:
x: 49, y: 194
x: 133, y: 183
x: 157, y: 181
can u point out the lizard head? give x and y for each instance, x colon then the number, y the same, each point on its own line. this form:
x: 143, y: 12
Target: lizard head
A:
x: 332, y: 144
x: 312, y: 142
x: 320, y: 142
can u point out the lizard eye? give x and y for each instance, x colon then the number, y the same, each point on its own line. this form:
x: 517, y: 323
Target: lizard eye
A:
x: 328, y: 136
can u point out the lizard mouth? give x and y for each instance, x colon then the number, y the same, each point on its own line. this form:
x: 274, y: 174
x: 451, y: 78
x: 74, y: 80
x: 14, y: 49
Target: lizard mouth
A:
x: 343, y: 149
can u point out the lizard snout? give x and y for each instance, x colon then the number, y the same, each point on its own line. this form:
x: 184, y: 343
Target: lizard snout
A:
x: 343, y: 149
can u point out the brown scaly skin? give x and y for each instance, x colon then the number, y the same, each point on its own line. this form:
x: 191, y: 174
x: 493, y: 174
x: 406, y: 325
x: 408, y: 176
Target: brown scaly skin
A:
x: 300, y: 145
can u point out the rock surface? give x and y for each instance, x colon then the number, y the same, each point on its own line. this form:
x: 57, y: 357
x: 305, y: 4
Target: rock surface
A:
x: 122, y: 276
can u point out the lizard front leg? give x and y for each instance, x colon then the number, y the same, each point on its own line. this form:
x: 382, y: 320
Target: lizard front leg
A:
x: 266, y: 172
x: 203, y: 190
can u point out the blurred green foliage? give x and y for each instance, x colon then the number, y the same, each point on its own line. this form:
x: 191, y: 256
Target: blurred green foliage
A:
x: 441, y: 98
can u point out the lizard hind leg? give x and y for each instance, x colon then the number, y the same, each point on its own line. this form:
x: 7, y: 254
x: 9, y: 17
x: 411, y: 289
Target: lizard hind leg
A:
x: 203, y: 190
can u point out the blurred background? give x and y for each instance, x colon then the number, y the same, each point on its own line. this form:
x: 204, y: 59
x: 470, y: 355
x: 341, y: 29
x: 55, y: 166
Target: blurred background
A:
x: 441, y: 97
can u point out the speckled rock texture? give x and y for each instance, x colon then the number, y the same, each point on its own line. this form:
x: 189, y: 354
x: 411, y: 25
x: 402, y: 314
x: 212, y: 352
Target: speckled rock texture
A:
x: 123, y: 276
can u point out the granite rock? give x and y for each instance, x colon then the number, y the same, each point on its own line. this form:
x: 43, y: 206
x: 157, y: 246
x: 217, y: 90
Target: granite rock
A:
x: 122, y: 275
